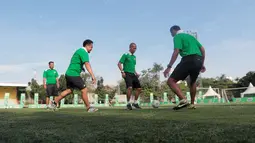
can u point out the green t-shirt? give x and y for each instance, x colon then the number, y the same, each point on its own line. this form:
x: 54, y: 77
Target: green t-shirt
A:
x: 187, y: 44
x: 77, y: 61
x: 129, y: 61
x: 51, y: 76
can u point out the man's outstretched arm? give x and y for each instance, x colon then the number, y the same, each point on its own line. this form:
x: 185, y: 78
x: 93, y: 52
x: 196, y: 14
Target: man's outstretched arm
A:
x: 89, y: 69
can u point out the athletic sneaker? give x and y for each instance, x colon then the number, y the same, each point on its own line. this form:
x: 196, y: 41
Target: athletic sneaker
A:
x: 136, y: 106
x: 53, y: 105
x: 191, y: 106
x: 129, y: 107
x: 92, y: 109
x: 181, y: 104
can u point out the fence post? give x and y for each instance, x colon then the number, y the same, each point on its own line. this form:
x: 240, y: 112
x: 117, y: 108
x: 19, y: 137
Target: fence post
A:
x: 36, y: 98
x: 165, y: 98
x: 151, y: 98
x: 188, y: 96
x: 75, y: 100
x: 22, y: 100
x: 176, y: 99
x: 6, y: 100
x: 106, y: 99
x: 116, y: 99
x: 62, y: 102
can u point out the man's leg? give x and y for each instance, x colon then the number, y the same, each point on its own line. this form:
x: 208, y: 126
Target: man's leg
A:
x: 193, y: 90
x: 137, y: 86
x: 129, y: 85
x: 172, y: 83
x: 129, y: 92
x: 62, y: 95
x: 193, y: 85
x: 48, y: 92
x: 179, y: 73
x: 85, y: 97
x: 47, y: 100
x: 137, y: 93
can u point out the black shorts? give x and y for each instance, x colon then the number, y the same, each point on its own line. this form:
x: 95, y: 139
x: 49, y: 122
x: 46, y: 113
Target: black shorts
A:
x: 74, y: 82
x: 51, y: 90
x: 189, y: 66
x: 132, y: 80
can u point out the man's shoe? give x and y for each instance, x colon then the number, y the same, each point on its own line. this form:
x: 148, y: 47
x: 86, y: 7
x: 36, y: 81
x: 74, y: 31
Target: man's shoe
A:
x: 183, y: 103
x: 92, y: 109
x: 129, y: 107
x: 137, y: 106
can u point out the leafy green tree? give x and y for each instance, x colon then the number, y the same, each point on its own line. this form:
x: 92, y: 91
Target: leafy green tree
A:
x: 102, y: 90
x: 247, y: 79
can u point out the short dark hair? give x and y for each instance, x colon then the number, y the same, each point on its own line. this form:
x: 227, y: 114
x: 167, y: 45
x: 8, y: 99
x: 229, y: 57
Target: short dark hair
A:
x: 131, y: 44
x: 175, y: 27
x: 50, y: 62
x: 87, y: 42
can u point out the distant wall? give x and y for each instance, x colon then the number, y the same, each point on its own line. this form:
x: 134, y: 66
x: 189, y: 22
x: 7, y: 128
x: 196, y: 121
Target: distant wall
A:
x: 11, y: 90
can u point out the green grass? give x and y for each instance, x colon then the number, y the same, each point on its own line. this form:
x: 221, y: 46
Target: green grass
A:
x: 205, y: 124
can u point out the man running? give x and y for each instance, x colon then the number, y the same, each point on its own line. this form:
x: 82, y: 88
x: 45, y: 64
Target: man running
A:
x: 50, y: 82
x: 130, y: 75
x: 72, y: 76
x: 191, y: 64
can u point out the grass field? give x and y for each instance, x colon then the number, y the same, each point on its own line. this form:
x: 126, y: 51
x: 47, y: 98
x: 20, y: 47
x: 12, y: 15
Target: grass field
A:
x: 205, y: 124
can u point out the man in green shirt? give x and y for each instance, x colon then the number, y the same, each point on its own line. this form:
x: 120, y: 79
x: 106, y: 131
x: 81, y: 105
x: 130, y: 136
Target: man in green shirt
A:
x: 130, y: 75
x: 50, y: 82
x: 72, y: 76
x: 192, y: 63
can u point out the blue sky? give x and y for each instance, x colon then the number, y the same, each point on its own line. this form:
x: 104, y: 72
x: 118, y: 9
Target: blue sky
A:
x: 35, y: 32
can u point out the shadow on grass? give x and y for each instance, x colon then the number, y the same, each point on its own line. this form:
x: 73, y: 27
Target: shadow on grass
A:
x: 77, y: 126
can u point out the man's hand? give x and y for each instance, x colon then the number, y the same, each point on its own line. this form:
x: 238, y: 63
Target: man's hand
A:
x: 44, y: 86
x: 166, y: 72
x: 94, y: 81
x: 123, y: 74
x: 58, y: 85
x: 203, y: 69
x: 138, y: 75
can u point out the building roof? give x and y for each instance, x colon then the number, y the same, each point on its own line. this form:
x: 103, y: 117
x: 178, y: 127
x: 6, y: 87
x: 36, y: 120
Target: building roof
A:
x: 13, y: 84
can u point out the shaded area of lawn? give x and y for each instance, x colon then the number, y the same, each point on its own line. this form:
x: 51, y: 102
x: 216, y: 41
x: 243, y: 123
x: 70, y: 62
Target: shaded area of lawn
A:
x: 206, y: 124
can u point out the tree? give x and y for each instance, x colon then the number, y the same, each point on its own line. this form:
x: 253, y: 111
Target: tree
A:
x: 102, y: 90
x: 36, y: 88
x: 156, y: 69
x: 247, y: 79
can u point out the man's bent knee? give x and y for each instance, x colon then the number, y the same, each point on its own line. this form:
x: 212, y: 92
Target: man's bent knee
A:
x: 171, y: 81
x: 84, y: 90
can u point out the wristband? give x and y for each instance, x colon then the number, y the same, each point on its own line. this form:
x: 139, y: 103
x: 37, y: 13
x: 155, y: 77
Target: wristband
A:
x: 169, y: 66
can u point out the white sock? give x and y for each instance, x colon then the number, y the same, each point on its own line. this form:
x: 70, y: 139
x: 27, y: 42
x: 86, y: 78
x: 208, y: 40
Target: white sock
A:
x: 135, y: 102
x: 129, y: 102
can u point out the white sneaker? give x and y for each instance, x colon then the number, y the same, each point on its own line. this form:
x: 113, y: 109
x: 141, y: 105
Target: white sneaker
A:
x: 182, y: 102
x: 92, y: 109
x: 52, y: 106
